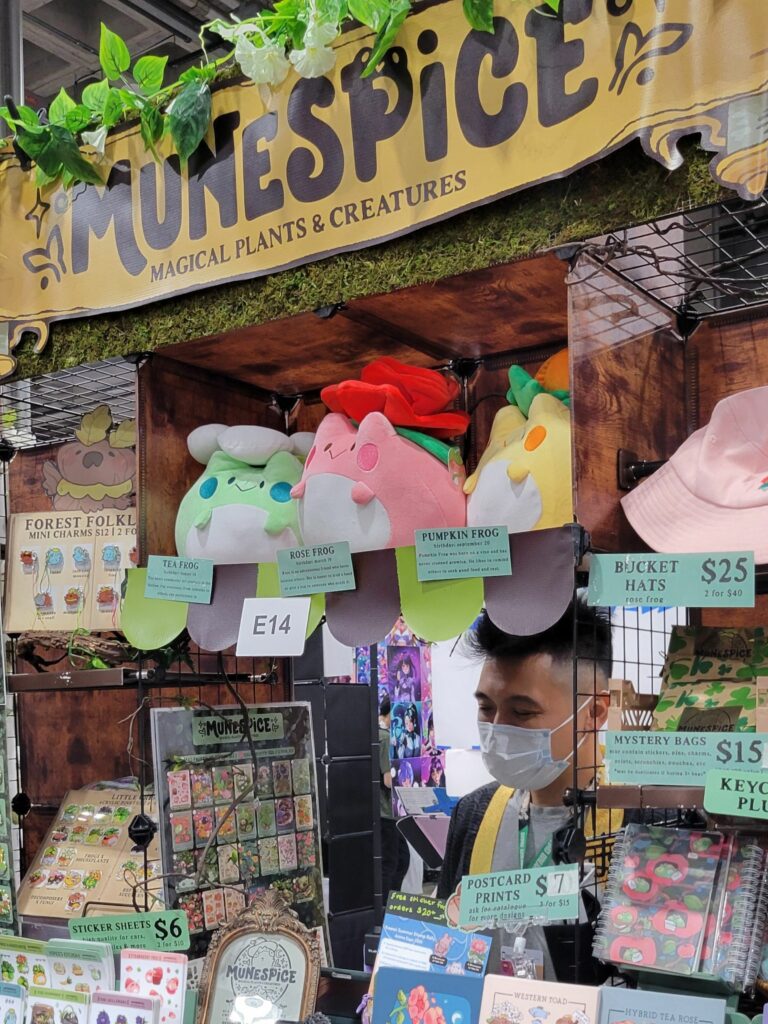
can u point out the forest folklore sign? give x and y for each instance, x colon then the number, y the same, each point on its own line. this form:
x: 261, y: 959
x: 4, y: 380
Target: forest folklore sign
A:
x: 451, y: 119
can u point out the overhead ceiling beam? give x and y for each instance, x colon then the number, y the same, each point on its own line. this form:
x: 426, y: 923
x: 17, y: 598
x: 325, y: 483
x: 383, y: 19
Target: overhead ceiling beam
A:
x: 400, y: 335
x: 167, y: 15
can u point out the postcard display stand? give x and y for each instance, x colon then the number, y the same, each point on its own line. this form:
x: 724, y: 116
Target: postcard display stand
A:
x: 260, y: 790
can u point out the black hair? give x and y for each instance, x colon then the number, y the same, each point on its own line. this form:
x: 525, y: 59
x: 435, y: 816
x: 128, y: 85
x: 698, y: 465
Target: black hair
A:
x: 412, y: 712
x: 593, y: 638
x: 406, y: 660
x: 385, y: 706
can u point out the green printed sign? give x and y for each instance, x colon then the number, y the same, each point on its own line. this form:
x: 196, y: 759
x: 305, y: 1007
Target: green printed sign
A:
x: 679, y: 758
x: 322, y: 569
x: 163, y: 930
x: 547, y: 893
x: 462, y: 552
x: 723, y: 579
x: 179, y: 579
x: 738, y: 794
x: 208, y: 730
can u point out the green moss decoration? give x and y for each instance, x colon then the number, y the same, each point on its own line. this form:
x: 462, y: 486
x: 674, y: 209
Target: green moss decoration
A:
x: 623, y: 189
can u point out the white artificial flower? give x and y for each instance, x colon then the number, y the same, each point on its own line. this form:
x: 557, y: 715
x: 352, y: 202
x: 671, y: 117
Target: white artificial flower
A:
x: 316, y: 57
x: 265, y: 64
x: 97, y: 139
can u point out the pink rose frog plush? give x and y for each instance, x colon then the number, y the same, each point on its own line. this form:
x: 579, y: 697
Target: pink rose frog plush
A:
x: 372, y: 486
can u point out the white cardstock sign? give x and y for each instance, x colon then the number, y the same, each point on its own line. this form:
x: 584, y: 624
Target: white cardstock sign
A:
x: 273, y: 627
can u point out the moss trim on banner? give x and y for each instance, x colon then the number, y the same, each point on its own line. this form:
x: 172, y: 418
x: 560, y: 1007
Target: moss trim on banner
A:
x: 624, y: 189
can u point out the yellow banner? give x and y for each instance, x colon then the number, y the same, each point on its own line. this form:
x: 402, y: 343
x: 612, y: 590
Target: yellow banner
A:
x: 452, y: 118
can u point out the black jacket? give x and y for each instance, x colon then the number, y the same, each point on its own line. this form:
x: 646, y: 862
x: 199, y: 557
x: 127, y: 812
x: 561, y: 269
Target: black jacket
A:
x: 564, y: 941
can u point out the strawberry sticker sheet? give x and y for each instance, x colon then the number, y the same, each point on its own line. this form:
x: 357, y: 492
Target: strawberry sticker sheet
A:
x: 87, y: 857
x: 160, y: 976
x: 233, y: 825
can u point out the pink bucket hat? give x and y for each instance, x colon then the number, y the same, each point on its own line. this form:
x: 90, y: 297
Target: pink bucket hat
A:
x: 712, y: 495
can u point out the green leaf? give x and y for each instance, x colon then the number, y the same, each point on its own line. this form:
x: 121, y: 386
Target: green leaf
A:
x: 95, y: 95
x: 113, y: 109
x: 479, y: 14
x: 28, y: 115
x: 401, y: 997
x: 61, y: 106
x: 205, y: 73
x: 55, y: 151
x: 399, y: 11
x: 152, y: 126
x: 113, y: 54
x: 554, y: 4
x: 41, y: 178
x: 148, y: 73
x: 189, y: 117
x: 78, y: 118
x: 368, y: 12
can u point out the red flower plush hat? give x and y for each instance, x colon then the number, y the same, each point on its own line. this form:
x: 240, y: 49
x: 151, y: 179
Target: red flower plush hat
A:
x: 408, y: 396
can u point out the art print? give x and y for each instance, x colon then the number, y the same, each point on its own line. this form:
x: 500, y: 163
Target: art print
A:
x: 404, y: 674
x: 405, y: 731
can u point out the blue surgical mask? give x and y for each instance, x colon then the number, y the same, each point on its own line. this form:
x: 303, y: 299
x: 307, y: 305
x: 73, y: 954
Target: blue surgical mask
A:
x: 522, y: 758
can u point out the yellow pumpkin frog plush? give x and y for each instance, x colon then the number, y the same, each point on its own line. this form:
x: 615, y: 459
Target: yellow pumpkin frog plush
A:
x: 524, y: 480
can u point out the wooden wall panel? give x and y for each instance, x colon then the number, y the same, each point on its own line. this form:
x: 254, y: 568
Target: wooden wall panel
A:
x: 72, y: 739
x: 732, y: 355
x: 628, y: 391
x: 173, y: 400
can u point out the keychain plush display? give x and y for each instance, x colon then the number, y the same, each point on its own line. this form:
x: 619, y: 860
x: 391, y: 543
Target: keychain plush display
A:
x: 240, y: 510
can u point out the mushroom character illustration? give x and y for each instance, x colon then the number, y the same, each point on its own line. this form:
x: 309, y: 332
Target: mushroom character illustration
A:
x: 97, y: 469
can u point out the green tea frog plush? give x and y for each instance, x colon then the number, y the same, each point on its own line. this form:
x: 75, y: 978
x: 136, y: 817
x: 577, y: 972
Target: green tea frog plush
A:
x: 240, y: 510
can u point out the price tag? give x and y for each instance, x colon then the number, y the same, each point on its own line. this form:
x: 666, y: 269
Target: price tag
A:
x: 723, y: 579
x: 547, y: 894
x: 164, y: 930
x: 736, y: 794
x: 179, y: 579
x: 273, y: 627
x: 679, y: 758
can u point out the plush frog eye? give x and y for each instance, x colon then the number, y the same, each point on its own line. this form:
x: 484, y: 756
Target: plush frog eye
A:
x: 280, y: 492
x: 208, y: 487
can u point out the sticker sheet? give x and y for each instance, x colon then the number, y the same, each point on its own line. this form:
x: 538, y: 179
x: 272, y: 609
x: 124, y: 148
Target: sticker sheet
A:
x: 88, y: 857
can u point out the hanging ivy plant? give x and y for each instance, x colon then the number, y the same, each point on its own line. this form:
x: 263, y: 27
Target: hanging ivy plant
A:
x: 293, y: 33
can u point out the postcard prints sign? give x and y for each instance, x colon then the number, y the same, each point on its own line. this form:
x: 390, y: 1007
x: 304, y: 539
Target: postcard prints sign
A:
x: 451, y: 119
x: 66, y: 569
x: 546, y: 894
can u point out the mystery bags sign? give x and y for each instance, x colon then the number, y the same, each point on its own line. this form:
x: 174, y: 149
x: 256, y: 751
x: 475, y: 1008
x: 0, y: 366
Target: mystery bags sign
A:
x: 451, y: 119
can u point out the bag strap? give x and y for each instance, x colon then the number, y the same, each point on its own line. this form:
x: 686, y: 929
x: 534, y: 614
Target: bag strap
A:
x: 481, y: 861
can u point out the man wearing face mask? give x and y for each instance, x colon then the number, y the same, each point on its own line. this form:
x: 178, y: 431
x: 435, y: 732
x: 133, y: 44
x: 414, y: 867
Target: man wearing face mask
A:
x: 525, y: 708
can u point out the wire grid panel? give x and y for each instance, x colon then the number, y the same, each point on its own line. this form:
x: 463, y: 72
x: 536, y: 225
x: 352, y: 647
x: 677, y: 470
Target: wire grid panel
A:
x: 638, y: 645
x: 713, y: 259
x: 48, y: 409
